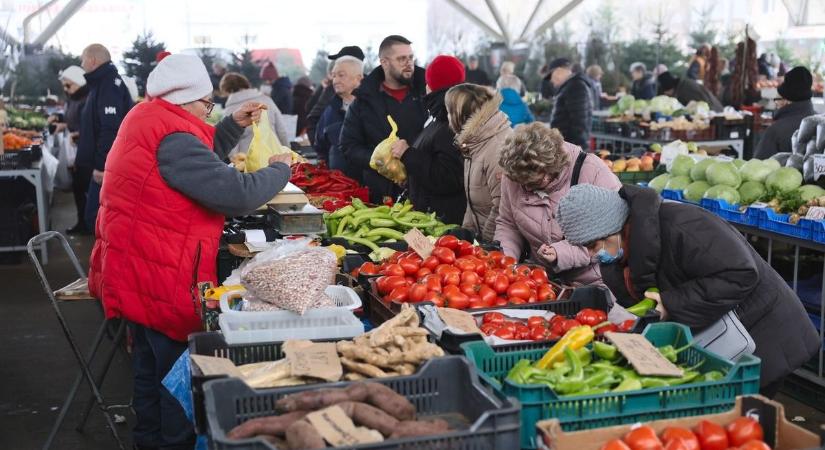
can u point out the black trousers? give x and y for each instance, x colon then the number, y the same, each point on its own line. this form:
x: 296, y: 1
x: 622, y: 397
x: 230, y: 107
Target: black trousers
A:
x: 81, y: 176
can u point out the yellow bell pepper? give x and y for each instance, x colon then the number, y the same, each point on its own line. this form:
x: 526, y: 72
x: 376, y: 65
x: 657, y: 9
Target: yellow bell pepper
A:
x: 574, y: 339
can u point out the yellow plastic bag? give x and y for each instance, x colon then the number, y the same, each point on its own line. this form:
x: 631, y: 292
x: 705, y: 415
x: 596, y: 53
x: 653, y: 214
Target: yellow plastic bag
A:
x: 382, y: 160
x: 264, y: 145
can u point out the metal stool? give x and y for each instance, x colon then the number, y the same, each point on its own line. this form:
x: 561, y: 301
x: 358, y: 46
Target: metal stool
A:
x: 57, y: 297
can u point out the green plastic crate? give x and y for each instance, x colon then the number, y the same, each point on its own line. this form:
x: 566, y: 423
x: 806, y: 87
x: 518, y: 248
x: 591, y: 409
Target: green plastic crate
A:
x: 578, y: 413
x: 640, y: 177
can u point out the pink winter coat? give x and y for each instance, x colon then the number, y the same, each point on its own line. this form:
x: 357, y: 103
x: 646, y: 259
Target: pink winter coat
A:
x: 526, y: 218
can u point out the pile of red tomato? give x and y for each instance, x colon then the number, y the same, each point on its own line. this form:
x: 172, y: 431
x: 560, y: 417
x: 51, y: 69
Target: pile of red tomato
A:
x: 743, y: 433
x: 539, y: 329
x: 459, y: 275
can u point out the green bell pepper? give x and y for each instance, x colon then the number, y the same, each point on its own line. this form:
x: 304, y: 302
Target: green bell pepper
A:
x: 628, y: 384
x: 641, y: 308
x: 605, y: 351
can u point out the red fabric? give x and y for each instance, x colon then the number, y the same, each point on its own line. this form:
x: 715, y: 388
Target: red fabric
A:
x: 444, y: 72
x: 397, y: 94
x: 153, y: 243
x: 160, y: 55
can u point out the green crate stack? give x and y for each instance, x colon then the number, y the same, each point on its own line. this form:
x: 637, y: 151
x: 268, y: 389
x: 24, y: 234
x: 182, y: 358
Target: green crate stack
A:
x: 539, y: 402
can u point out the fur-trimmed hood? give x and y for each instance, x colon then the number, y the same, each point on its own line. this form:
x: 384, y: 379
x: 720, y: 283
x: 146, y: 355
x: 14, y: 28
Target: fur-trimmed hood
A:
x: 483, y: 125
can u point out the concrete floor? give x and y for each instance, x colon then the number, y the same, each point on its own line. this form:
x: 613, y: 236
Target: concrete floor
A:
x: 37, y: 367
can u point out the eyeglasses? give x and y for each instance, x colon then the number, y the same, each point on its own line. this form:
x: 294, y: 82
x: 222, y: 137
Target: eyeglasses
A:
x: 209, y: 106
x: 66, y: 86
x: 405, y: 59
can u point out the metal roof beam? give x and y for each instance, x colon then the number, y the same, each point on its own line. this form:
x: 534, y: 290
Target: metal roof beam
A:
x: 530, y: 20
x: 475, y: 19
x: 501, y: 25
x: 59, y: 20
x: 557, y: 16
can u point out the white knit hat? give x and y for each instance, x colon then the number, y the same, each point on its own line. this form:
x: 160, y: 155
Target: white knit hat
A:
x: 73, y: 74
x: 179, y: 79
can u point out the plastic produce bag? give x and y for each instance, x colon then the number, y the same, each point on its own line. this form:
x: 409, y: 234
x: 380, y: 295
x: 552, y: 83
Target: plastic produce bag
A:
x: 264, y: 145
x: 292, y: 276
x: 820, y: 138
x: 63, y: 177
x: 382, y: 160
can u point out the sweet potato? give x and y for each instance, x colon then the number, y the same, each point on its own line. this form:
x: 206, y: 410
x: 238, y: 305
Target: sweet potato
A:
x: 301, y: 435
x: 273, y: 425
x: 390, y: 401
x: 370, y: 417
x: 312, y: 400
x: 409, y: 428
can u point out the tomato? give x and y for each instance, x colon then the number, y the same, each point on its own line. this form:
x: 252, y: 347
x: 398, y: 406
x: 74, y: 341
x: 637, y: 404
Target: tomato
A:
x: 464, y: 264
x: 398, y: 295
x: 409, y: 265
x: 489, y: 328
x: 430, y: 263
x: 423, y: 272
x: 433, y: 282
x: 447, y: 241
x: 516, y: 301
x: 435, y: 298
x: 643, y: 438
x: 508, y: 261
x: 444, y: 255
x: 511, y: 274
x: 476, y: 302
x: 390, y: 283
x: 557, y: 326
x: 368, y: 268
x: 536, y: 321
x: 615, y: 444
x: 490, y: 277
x: 394, y: 270
x: 465, y: 248
x: 689, y: 440
x: 602, y: 315
x: 468, y: 277
x: 539, y: 275
x: 505, y: 333
x: 678, y: 444
x: 457, y: 300
x: 627, y: 325
x: 518, y: 289
x: 493, y: 317
x: 355, y: 272
x: 487, y: 294
x: 568, y: 325
x: 450, y: 289
x: 469, y: 289
x: 609, y: 327
x: 501, y: 301
x: 754, y: 445
x: 711, y: 436
x: 500, y: 284
x: 557, y: 318
x: 453, y: 278
x: 588, y: 316
x: 495, y: 256
x: 479, y: 252
x: 742, y: 430
x: 417, y: 292
x: 522, y: 332
x: 522, y: 271
x: 538, y: 333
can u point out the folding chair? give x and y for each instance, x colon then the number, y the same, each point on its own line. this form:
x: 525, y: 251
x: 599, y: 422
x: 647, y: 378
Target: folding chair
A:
x: 70, y: 294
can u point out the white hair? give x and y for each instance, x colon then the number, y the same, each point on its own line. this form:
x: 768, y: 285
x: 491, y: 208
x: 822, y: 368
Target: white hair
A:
x: 507, y: 68
x: 347, y: 59
x: 508, y: 81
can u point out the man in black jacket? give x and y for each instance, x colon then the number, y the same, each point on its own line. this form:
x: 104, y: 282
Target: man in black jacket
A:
x: 644, y: 85
x: 395, y: 89
x: 476, y: 75
x: 702, y: 266
x: 686, y: 90
x: 795, y: 105
x: 325, y: 92
x: 573, y: 107
x: 106, y: 106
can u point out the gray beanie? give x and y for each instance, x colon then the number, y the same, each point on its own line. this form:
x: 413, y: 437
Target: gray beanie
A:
x: 588, y: 213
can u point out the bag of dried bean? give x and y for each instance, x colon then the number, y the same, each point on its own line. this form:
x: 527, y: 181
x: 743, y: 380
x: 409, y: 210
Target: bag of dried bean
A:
x: 291, y: 276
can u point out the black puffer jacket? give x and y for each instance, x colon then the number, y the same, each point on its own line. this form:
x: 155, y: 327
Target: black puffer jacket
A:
x: 786, y: 120
x: 435, y: 166
x: 704, y: 268
x: 366, y: 125
x: 573, y: 111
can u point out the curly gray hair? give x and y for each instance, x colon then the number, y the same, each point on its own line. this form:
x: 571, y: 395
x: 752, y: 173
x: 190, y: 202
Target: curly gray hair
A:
x: 532, y: 152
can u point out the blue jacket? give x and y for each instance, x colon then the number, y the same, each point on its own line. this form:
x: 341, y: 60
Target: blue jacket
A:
x: 515, y: 108
x: 282, y: 94
x: 328, y: 138
x: 106, y: 106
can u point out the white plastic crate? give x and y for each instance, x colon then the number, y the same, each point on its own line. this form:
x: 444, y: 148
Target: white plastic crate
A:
x: 342, y: 296
x: 275, y: 326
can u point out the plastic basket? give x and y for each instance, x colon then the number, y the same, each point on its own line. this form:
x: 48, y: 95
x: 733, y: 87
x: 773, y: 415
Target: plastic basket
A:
x: 636, y: 177
x: 580, y: 298
x: 270, y: 326
x: 818, y: 231
x: 770, y: 220
x: 731, y: 213
x: 540, y: 402
x: 442, y: 387
x: 343, y: 297
x: 678, y: 196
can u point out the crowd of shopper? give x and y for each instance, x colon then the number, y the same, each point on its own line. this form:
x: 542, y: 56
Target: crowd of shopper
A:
x: 474, y: 155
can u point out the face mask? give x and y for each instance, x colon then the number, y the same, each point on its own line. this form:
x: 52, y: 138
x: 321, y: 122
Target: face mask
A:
x: 606, y: 258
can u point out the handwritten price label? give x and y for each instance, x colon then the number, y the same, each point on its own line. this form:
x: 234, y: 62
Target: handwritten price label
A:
x: 819, y: 166
x: 642, y: 355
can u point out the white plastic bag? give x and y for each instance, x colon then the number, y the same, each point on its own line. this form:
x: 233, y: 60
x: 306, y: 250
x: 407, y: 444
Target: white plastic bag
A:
x: 63, y: 176
x: 292, y: 275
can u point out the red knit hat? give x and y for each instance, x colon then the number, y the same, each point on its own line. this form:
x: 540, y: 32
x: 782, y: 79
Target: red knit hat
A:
x: 444, y: 72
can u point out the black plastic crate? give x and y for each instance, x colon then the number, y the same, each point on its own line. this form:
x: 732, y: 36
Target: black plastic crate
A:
x: 443, y: 386
x: 17, y: 160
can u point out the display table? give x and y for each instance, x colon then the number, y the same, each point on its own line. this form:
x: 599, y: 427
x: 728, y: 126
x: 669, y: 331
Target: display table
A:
x: 37, y: 177
x: 623, y: 145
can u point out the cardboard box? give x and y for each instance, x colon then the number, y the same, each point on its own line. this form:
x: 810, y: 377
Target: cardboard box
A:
x: 780, y: 434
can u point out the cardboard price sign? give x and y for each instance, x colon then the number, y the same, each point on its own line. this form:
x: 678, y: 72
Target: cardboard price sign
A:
x: 337, y: 428
x: 419, y: 243
x: 459, y: 320
x: 210, y: 365
x: 819, y: 165
x: 643, y: 356
x: 317, y: 360
x: 815, y: 213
